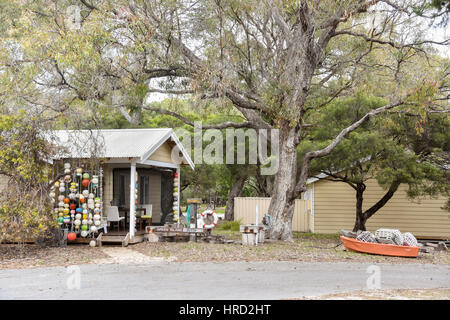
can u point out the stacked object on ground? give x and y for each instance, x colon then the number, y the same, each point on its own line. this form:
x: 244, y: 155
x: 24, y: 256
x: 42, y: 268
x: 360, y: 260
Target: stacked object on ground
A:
x: 366, y: 236
x: 383, y: 236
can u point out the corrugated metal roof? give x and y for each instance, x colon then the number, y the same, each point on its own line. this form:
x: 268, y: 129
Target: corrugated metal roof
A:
x: 108, y: 143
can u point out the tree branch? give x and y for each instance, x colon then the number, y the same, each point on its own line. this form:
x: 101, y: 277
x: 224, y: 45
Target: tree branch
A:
x: 300, y: 187
x: 377, y: 206
x: 389, y: 42
x: 227, y: 124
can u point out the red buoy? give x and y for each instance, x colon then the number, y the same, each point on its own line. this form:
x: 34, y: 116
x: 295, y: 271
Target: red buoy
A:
x: 71, y: 236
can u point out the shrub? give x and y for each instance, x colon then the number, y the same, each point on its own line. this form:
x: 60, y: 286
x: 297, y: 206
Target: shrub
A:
x: 25, y: 210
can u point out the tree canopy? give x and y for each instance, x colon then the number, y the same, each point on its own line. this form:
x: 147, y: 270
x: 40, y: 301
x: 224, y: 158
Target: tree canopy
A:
x: 382, y: 150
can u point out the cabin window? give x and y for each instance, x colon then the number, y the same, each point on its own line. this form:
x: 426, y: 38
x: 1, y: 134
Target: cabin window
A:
x: 122, y: 190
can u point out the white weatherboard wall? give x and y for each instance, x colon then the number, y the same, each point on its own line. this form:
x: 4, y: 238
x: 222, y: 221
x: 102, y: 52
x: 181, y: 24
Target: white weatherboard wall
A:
x: 245, y: 211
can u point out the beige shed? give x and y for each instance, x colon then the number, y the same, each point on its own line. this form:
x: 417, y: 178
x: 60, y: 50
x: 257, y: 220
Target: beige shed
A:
x: 333, y: 209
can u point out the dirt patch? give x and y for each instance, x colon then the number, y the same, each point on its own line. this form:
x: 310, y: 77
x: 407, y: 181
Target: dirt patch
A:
x: 119, y: 255
x: 31, y: 256
x: 308, y: 250
x: 394, y: 294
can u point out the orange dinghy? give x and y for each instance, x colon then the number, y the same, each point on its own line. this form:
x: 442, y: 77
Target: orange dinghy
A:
x: 380, y: 248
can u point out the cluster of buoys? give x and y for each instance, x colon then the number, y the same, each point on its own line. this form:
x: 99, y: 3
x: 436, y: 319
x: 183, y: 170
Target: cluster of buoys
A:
x: 136, y: 198
x: 175, y: 197
x: 79, y: 204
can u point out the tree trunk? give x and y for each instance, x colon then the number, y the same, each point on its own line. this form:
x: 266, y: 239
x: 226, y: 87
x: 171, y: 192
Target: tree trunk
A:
x: 234, y: 192
x: 281, y: 206
x: 362, y: 217
x: 360, y: 222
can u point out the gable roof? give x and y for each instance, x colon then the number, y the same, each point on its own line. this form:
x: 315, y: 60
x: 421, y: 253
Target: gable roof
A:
x: 114, y: 143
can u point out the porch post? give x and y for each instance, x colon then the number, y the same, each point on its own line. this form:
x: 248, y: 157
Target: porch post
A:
x: 132, y: 197
x: 179, y: 193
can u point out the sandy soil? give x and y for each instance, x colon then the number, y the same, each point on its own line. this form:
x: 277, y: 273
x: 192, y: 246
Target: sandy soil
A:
x: 393, y: 294
x: 305, y: 249
x: 31, y: 256
x: 309, y: 250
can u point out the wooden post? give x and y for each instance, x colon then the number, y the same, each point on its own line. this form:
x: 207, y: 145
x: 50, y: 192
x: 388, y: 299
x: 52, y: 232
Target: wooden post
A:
x: 132, y: 197
x: 257, y: 224
x: 194, y: 202
x: 99, y: 239
x: 179, y: 193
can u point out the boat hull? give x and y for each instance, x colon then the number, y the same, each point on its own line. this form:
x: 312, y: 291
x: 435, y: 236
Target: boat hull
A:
x: 380, y: 248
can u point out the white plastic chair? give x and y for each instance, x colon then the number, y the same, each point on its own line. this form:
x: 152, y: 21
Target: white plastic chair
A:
x: 148, y: 209
x: 147, y: 216
x: 112, y: 215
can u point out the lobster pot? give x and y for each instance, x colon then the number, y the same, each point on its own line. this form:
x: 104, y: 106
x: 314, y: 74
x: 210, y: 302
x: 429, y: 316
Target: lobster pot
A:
x: 390, y: 234
x: 409, y: 240
x: 366, y: 236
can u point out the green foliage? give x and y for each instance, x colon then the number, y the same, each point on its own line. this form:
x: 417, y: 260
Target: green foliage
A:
x: 229, y: 225
x: 24, y: 219
x: 388, y: 151
x: 439, y: 10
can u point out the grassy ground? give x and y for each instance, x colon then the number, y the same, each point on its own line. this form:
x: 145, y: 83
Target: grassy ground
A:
x: 203, y: 208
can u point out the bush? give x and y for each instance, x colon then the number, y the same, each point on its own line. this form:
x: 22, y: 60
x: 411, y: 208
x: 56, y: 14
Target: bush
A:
x: 25, y: 210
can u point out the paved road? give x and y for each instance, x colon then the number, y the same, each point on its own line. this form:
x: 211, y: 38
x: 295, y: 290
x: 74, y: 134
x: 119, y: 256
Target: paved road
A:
x: 232, y: 280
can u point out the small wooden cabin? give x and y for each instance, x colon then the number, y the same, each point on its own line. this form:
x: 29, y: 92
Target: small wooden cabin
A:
x: 153, y: 155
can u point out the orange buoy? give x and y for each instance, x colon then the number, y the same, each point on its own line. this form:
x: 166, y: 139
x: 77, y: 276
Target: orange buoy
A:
x: 71, y: 236
x: 85, y: 183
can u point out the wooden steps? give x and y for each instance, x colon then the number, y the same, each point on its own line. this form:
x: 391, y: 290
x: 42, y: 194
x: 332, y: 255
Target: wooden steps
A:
x: 115, y: 239
x: 124, y: 240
